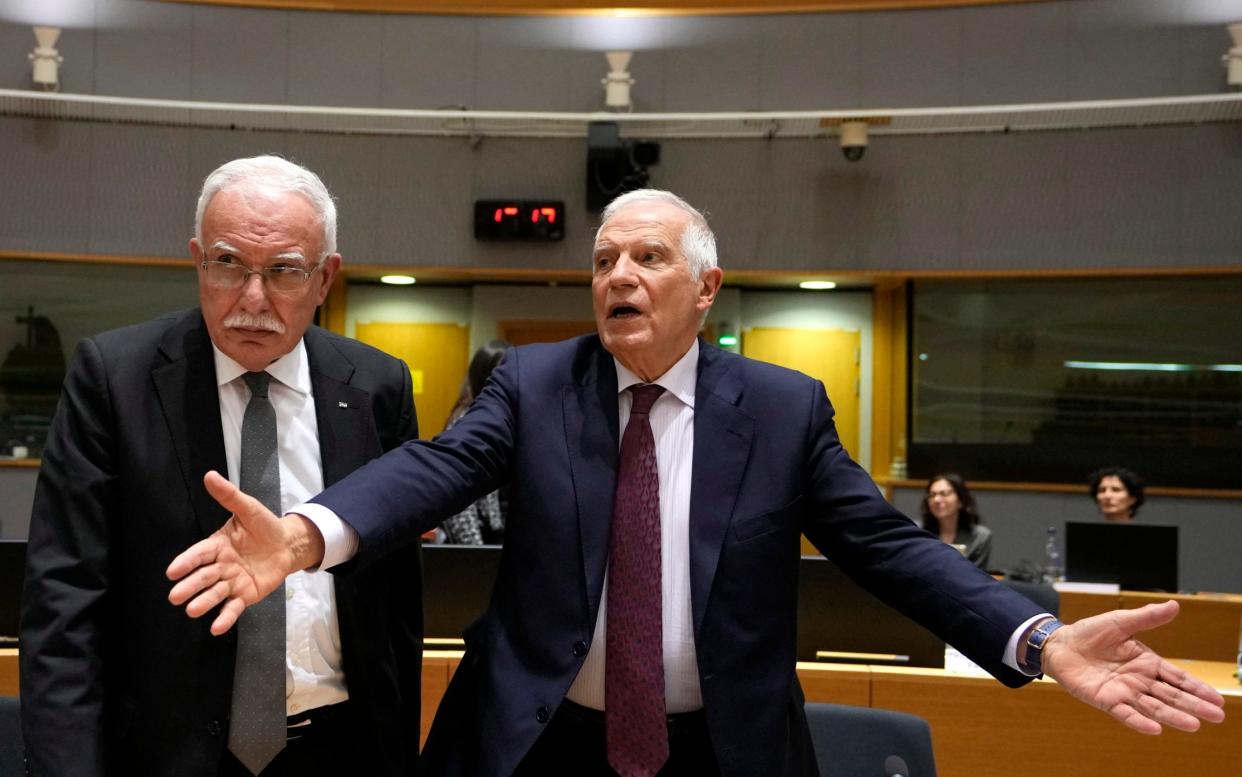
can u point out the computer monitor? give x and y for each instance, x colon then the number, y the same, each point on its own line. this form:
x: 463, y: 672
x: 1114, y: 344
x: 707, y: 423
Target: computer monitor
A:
x: 1135, y: 556
x: 457, y: 585
x: 12, y: 570
x: 837, y: 617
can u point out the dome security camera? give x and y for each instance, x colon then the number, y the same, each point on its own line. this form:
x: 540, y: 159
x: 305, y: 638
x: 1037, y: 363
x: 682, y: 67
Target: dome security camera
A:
x: 853, y: 139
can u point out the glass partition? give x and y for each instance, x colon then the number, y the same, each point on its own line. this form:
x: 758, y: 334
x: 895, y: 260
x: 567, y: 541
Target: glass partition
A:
x: 1047, y: 380
x: 46, y: 308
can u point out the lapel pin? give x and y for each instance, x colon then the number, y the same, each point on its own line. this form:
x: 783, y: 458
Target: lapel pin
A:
x: 342, y: 404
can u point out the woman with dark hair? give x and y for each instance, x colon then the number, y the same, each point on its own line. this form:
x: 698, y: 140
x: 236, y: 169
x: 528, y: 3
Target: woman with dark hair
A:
x: 1118, y: 493
x: 482, y: 523
x: 948, y: 510
x: 481, y: 365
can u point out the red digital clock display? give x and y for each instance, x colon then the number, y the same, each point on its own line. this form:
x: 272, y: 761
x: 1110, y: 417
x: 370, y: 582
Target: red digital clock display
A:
x: 519, y: 220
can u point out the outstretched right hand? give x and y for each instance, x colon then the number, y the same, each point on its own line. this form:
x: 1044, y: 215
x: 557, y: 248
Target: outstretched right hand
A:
x: 245, y: 560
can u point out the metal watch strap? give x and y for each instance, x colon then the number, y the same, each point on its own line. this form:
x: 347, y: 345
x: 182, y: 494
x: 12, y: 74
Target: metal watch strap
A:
x: 1035, y: 642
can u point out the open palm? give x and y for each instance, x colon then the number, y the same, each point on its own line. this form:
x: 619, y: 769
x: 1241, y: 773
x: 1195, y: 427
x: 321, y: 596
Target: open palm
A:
x: 1099, y: 661
x: 245, y: 560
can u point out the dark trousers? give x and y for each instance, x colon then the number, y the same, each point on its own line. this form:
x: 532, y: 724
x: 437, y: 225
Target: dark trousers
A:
x: 321, y: 746
x: 574, y: 744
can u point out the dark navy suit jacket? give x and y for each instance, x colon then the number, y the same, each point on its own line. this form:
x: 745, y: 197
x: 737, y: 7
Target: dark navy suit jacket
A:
x: 117, y: 681
x: 768, y: 467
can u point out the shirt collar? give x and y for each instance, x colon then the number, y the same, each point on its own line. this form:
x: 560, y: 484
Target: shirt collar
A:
x: 292, y: 369
x: 680, y: 379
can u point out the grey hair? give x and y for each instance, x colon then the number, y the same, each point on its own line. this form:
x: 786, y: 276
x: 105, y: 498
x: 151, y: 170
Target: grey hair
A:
x: 698, y: 242
x: 271, y: 172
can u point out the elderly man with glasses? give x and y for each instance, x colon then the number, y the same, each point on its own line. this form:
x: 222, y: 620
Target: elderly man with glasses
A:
x: 114, y: 681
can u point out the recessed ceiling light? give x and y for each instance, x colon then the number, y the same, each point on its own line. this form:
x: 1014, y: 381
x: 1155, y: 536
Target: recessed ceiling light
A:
x: 817, y: 285
x: 397, y: 280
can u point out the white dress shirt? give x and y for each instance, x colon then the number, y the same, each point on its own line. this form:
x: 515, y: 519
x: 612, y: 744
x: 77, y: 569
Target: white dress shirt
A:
x: 672, y: 426
x: 314, y: 676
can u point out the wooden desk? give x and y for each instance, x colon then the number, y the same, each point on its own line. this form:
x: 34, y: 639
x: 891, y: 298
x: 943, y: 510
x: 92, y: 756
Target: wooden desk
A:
x: 980, y: 727
x: 1206, y: 627
x: 1076, y: 605
x: 8, y: 672
x: 836, y: 683
x: 438, y: 668
x: 839, y: 683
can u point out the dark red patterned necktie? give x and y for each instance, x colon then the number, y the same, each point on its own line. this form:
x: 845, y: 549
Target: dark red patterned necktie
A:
x: 634, y: 667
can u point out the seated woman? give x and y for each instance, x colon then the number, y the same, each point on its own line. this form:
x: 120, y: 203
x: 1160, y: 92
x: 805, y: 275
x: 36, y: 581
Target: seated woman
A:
x: 1118, y: 493
x: 949, y: 512
x: 482, y: 523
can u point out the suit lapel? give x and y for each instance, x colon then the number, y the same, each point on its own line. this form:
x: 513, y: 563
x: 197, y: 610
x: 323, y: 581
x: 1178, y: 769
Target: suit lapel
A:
x: 590, y: 412
x: 346, y: 442
x: 722, y: 440
x: 342, y: 411
x: 190, y: 402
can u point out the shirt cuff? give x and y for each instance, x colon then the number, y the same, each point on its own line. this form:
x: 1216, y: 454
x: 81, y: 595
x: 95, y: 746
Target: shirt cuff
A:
x: 1011, y: 649
x: 340, y: 540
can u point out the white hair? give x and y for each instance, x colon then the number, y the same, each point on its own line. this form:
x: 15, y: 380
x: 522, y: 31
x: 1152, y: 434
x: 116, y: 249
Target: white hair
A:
x: 698, y: 242
x: 271, y: 172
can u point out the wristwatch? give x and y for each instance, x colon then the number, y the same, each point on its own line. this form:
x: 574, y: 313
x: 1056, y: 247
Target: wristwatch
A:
x: 1035, y: 642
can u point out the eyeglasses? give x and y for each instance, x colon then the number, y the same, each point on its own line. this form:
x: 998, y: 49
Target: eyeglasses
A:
x: 282, y: 278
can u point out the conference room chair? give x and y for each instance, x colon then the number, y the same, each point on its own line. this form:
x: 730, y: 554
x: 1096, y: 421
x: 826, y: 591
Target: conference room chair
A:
x: 862, y: 741
x: 1044, y: 595
x: 12, y: 762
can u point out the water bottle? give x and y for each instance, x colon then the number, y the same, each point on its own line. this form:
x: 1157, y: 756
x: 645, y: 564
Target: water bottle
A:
x: 1240, y: 652
x: 1052, y: 557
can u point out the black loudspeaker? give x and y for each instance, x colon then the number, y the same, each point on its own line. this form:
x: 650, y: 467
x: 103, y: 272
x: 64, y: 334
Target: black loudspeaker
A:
x: 614, y: 165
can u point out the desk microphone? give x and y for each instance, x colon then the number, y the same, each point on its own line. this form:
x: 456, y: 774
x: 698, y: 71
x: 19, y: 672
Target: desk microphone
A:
x: 895, y: 766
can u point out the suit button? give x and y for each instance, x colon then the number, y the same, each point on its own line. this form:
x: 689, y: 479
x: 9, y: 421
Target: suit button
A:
x: 214, y: 728
x: 580, y: 649
x: 543, y: 714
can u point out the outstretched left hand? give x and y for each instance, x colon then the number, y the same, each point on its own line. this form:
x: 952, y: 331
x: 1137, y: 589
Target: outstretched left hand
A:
x: 1099, y: 661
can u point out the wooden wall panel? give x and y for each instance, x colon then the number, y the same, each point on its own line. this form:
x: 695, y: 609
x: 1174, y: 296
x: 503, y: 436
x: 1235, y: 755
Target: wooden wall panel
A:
x: 524, y: 7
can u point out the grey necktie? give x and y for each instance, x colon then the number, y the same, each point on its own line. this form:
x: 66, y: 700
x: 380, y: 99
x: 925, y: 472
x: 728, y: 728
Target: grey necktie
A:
x: 257, y: 729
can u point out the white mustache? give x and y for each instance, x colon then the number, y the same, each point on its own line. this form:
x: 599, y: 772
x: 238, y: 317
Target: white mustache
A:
x: 264, y: 321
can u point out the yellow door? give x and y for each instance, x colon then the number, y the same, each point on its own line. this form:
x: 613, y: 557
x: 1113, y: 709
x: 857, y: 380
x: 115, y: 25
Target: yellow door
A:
x: 437, y: 355
x: 828, y: 355
x: 526, y: 332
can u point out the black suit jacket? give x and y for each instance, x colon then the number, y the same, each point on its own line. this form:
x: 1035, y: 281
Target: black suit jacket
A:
x: 767, y: 467
x: 114, y: 679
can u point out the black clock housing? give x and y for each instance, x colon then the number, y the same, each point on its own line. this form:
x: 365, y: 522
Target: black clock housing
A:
x: 533, y: 220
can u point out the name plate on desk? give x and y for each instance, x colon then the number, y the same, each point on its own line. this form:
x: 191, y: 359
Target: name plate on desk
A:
x: 847, y: 657
x: 1086, y: 588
